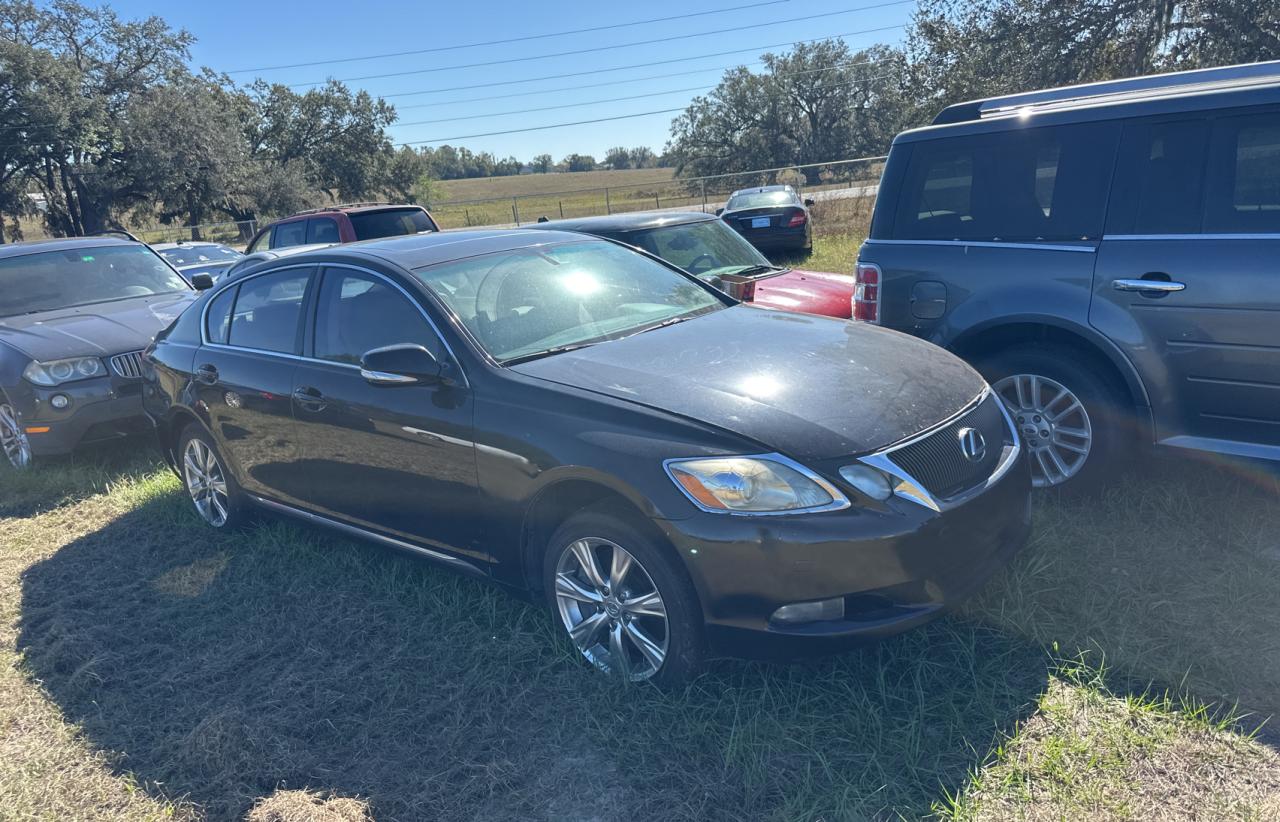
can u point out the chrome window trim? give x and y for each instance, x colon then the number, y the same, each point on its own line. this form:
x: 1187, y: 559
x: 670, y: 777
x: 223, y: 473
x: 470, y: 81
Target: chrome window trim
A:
x: 909, y: 488
x: 839, y: 500
x: 221, y: 287
x: 1086, y: 249
x: 355, y: 530
x: 1132, y: 237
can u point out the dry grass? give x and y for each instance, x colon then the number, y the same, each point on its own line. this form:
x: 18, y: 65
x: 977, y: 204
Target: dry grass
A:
x: 150, y: 669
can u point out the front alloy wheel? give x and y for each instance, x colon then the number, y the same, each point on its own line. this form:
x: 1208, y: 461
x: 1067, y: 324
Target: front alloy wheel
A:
x: 13, y: 440
x: 611, y: 608
x: 1053, y: 423
x: 206, y: 482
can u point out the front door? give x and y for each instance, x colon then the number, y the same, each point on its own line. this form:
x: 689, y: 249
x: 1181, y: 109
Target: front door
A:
x: 397, y: 459
x: 1187, y: 281
x: 244, y: 377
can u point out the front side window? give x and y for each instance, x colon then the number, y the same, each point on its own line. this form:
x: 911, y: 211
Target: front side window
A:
x: 1019, y: 185
x: 1244, y: 194
x: 287, y: 234
x: 532, y: 302
x: 370, y: 225
x: 267, y: 311
x: 708, y: 249
x: 359, y: 312
x: 762, y: 199
x: 48, y: 280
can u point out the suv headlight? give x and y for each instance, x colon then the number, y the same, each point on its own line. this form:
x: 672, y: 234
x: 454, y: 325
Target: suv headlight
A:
x: 765, y: 484
x: 56, y: 372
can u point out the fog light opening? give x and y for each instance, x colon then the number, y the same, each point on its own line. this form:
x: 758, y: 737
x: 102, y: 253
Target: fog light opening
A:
x: 799, y: 613
x: 60, y: 401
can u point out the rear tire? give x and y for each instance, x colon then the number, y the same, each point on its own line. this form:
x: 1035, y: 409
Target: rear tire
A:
x: 214, y: 492
x: 1068, y: 415
x: 634, y: 600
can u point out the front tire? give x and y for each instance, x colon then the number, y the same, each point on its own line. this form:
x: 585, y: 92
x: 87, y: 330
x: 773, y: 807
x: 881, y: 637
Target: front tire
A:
x: 213, y: 491
x: 1067, y: 414
x: 13, y: 439
x: 626, y: 606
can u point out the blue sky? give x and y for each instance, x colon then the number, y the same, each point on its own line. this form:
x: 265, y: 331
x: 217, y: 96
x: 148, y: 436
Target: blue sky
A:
x: 236, y: 34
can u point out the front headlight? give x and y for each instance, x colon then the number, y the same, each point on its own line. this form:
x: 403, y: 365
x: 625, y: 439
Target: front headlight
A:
x: 56, y: 372
x: 765, y: 484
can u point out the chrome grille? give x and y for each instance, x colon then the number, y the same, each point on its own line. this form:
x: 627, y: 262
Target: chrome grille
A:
x: 128, y: 365
x: 938, y: 462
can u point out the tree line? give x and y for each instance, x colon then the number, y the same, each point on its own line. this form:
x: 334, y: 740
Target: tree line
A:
x: 823, y: 101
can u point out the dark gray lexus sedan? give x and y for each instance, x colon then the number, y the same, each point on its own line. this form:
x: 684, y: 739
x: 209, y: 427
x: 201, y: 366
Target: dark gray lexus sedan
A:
x: 676, y: 474
x: 75, y: 315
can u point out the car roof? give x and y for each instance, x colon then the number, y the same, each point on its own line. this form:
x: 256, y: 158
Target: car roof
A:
x: 60, y: 244
x: 418, y: 250
x: 760, y: 190
x: 632, y: 221
x: 349, y: 208
x: 1176, y: 92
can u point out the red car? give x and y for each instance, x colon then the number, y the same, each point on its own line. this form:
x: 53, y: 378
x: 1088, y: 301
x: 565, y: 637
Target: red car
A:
x: 707, y: 248
x: 343, y: 224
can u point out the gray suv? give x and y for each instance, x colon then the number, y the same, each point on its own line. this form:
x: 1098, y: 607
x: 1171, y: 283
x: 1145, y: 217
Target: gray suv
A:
x: 1108, y: 255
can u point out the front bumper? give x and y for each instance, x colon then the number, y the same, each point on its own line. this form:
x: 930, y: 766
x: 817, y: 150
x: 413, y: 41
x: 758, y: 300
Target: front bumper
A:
x: 101, y: 409
x: 895, y: 568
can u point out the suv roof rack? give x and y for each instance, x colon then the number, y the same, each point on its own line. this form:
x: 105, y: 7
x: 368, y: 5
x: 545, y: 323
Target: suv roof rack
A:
x: 337, y: 207
x: 1116, y: 91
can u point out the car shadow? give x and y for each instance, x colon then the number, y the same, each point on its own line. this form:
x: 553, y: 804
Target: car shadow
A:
x: 56, y: 481
x: 226, y: 666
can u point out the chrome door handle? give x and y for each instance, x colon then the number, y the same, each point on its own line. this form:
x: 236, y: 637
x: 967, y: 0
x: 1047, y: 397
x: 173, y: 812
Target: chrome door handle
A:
x: 309, y: 398
x: 1162, y: 286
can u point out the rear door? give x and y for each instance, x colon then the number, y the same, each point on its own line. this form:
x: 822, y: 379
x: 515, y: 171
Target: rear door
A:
x: 244, y: 375
x: 1188, y: 282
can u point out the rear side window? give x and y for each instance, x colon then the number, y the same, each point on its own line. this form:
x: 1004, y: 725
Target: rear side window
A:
x: 1244, y: 181
x: 1160, y: 179
x: 1018, y: 186
x: 393, y: 222
x: 287, y: 234
x: 218, y: 316
x: 267, y: 311
x: 322, y: 230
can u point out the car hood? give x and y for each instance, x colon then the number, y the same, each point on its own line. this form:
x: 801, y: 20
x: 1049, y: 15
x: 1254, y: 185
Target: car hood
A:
x: 101, y: 329
x: 807, y: 386
x: 812, y: 291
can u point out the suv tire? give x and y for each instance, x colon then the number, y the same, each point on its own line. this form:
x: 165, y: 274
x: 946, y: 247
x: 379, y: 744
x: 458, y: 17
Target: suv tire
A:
x: 1059, y: 406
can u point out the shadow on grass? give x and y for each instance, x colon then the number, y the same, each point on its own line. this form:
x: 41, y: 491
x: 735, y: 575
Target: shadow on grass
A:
x: 221, y: 667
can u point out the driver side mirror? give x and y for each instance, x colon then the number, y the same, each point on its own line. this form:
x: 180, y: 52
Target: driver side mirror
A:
x: 404, y: 364
x: 202, y: 282
x: 808, y: 203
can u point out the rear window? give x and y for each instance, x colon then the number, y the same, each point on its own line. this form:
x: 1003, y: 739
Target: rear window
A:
x: 369, y: 225
x: 761, y: 199
x: 1017, y: 186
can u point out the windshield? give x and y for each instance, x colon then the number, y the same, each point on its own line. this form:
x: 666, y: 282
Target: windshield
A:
x: 370, y: 225
x: 196, y: 254
x: 532, y: 302
x: 707, y: 249
x: 761, y: 199
x: 60, y: 279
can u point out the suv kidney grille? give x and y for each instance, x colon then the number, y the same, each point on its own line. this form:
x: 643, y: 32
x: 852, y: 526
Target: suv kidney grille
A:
x: 128, y: 365
x: 938, y: 461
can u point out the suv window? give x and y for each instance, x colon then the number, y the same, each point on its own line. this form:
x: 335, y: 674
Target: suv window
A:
x: 287, y: 234
x: 322, y: 230
x: 358, y: 312
x: 1159, y: 186
x: 267, y: 311
x: 1020, y: 185
x: 390, y: 222
x: 1244, y: 183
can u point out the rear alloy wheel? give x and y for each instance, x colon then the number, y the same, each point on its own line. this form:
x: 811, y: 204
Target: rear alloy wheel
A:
x: 1053, y: 423
x: 212, y: 489
x: 13, y: 440
x: 625, y: 604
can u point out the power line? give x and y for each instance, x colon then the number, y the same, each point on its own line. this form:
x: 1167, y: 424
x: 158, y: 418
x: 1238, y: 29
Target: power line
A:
x: 646, y: 64
x: 543, y: 128
x: 593, y: 49
x: 523, y: 39
x: 632, y: 97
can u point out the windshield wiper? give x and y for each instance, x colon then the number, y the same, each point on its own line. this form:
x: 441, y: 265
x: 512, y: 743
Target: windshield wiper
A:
x: 753, y: 269
x: 547, y: 352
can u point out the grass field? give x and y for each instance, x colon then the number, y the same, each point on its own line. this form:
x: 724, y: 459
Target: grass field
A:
x: 150, y: 669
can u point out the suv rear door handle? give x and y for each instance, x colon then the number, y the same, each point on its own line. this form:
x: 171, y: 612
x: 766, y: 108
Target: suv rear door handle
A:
x: 1156, y: 286
x: 310, y: 399
x: 206, y: 375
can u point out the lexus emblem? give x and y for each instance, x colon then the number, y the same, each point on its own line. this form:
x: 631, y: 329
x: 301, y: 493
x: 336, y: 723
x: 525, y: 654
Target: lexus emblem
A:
x: 972, y: 444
